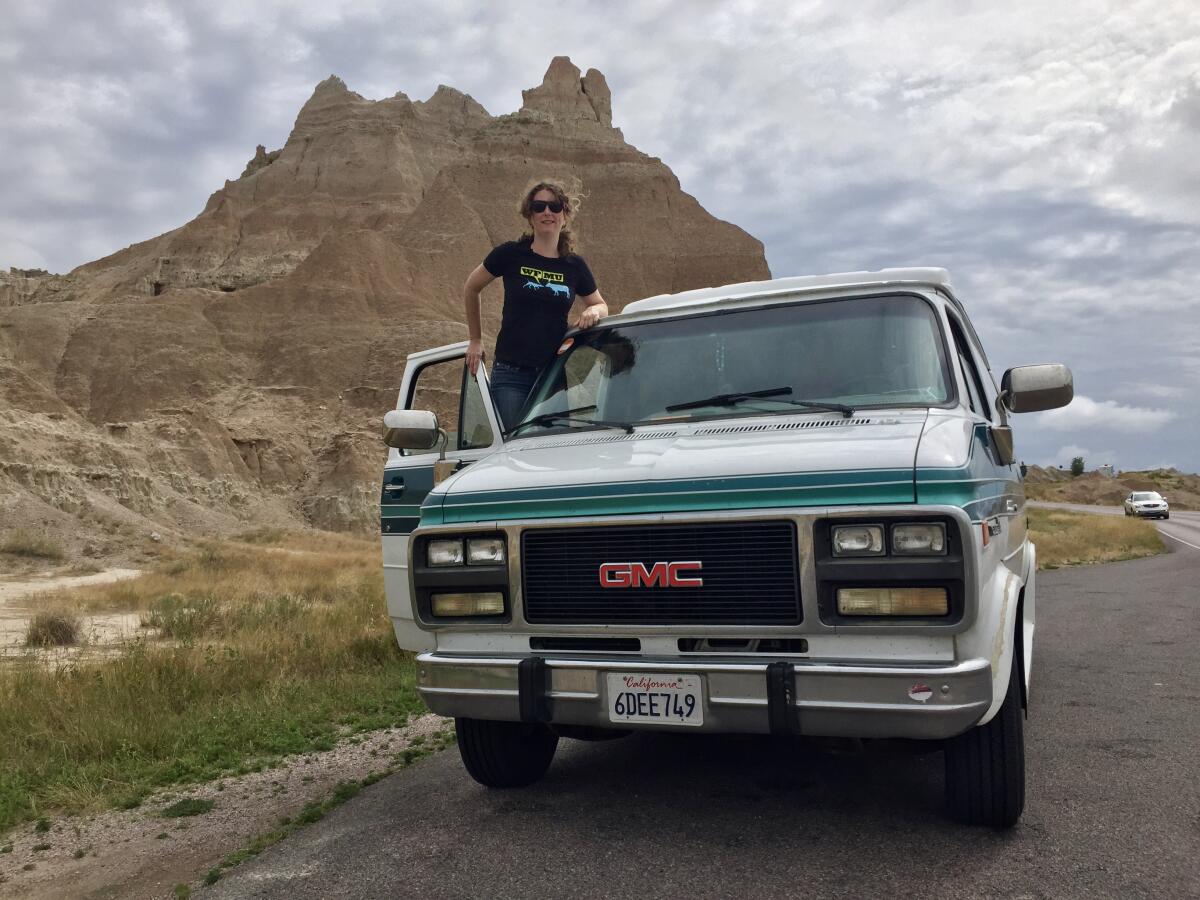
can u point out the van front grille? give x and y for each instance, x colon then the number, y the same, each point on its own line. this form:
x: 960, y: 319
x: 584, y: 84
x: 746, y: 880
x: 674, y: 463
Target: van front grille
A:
x: 748, y: 571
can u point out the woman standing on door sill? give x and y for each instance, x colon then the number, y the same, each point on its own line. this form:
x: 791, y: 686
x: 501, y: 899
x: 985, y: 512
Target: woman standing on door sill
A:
x: 542, y: 277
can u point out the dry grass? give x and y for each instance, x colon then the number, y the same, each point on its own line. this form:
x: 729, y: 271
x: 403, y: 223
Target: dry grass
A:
x: 23, y: 542
x: 302, y: 569
x: 1070, y: 539
x: 305, y: 541
x: 262, y: 652
x: 54, y: 628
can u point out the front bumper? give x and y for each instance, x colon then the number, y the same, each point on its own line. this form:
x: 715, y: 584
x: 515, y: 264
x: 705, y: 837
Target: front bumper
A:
x: 739, y: 696
x: 1154, y: 512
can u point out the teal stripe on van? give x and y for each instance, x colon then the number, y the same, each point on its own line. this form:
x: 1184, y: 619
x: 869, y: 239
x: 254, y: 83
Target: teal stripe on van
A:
x: 981, y: 487
x: 399, y: 518
x: 694, y: 495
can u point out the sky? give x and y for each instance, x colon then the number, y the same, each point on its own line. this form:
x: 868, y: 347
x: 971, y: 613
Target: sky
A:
x: 1046, y: 153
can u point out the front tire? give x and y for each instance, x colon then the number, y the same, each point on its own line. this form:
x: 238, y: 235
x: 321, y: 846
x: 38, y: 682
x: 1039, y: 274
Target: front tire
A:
x: 985, y: 767
x: 505, y: 754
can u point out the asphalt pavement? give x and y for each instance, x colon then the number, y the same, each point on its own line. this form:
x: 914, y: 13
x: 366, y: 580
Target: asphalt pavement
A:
x: 1112, y: 809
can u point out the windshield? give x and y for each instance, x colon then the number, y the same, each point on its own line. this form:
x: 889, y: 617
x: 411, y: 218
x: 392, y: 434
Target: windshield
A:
x: 842, y: 354
x: 1146, y: 496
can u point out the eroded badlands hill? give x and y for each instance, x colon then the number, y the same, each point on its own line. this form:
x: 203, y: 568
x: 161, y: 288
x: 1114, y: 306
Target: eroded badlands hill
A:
x: 233, y: 371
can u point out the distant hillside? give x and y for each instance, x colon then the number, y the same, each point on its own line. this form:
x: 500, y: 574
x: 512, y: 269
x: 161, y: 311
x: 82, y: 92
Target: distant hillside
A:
x: 233, y: 372
x: 1056, y: 485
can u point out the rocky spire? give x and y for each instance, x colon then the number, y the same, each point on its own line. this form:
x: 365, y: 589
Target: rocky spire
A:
x: 598, y: 94
x: 564, y: 95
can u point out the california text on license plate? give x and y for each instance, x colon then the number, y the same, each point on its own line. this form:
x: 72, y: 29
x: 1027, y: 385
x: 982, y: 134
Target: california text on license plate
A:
x: 658, y: 699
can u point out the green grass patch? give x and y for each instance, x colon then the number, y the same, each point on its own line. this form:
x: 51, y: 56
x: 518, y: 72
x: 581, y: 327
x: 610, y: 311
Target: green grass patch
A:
x: 270, y: 654
x: 188, y: 806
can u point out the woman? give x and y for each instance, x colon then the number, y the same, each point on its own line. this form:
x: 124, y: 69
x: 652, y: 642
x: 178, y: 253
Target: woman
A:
x: 542, y: 276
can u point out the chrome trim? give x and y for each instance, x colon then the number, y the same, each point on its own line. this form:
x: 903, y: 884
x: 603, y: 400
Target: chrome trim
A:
x: 831, y: 699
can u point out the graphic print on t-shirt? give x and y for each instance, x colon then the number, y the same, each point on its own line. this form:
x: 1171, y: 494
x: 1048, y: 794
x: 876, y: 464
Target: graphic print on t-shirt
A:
x: 554, y: 281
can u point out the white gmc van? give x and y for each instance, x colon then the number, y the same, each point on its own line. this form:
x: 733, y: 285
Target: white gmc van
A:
x: 785, y: 507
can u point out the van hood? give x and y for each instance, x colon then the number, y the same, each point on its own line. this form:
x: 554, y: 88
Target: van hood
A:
x: 751, y: 463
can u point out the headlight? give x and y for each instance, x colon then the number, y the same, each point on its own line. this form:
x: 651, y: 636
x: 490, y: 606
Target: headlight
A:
x: 858, y: 540
x: 483, y: 604
x: 486, y: 551
x: 445, y: 553
x: 892, y: 602
x: 925, y: 539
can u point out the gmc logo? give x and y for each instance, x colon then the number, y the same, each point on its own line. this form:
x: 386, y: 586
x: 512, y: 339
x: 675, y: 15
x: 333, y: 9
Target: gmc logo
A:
x: 660, y: 574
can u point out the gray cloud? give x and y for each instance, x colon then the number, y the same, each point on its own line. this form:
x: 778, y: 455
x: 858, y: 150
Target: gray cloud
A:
x: 1050, y: 160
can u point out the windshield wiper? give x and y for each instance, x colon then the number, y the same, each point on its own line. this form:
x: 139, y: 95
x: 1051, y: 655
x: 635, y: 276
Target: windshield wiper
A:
x: 728, y: 399
x: 846, y: 411
x: 568, y: 416
x: 734, y: 399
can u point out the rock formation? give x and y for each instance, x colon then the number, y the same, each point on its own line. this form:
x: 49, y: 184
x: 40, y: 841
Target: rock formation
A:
x: 234, y: 370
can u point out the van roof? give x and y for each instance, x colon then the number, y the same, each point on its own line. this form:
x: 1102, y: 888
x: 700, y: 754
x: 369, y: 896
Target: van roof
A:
x: 938, y: 279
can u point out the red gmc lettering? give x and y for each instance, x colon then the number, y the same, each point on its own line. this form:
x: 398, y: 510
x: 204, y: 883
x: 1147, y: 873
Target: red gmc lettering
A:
x: 677, y: 580
x: 660, y: 574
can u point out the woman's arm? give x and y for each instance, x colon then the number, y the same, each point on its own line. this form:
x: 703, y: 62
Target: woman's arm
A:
x: 476, y: 282
x: 594, y: 309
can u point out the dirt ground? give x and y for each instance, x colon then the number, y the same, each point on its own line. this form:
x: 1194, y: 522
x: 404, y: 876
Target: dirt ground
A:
x: 140, y: 854
x: 21, y: 597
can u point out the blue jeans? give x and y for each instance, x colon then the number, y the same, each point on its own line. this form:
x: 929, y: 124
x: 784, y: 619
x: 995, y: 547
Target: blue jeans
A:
x: 509, y: 387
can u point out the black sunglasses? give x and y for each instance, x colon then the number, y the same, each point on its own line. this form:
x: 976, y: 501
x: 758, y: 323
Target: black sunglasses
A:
x: 537, y: 206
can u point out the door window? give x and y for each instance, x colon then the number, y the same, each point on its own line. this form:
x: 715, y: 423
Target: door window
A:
x: 447, y: 389
x: 976, y: 397
x: 475, y: 430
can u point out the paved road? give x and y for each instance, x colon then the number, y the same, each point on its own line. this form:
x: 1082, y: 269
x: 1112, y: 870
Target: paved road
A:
x: 1113, y: 804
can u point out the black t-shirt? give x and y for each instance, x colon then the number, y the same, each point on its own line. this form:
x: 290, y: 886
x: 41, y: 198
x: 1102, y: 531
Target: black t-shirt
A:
x: 538, y: 292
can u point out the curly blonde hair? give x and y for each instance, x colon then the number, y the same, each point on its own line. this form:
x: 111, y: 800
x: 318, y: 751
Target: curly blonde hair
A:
x: 570, y: 199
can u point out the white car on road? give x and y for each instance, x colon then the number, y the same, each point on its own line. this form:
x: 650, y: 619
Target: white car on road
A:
x: 1147, y: 504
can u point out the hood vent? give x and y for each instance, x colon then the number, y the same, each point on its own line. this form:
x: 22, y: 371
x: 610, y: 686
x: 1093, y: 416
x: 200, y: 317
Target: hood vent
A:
x: 783, y: 426
x: 604, y: 438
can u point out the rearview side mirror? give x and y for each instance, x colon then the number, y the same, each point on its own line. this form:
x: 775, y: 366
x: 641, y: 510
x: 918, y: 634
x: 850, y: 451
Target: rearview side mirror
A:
x: 411, y: 429
x: 1034, y: 388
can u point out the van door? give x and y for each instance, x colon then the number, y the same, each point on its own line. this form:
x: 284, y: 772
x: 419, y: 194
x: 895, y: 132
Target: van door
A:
x: 435, y: 380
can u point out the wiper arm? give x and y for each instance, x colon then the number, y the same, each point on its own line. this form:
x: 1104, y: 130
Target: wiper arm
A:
x: 846, y: 411
x: 569, y: 416
x: 729, y: 399
x: 734, y: 399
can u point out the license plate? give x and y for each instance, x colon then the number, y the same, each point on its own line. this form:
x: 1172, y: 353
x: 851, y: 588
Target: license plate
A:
x: 656, y: 699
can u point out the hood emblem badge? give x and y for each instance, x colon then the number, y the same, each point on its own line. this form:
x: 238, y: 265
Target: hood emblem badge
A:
x: 659, y: 574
